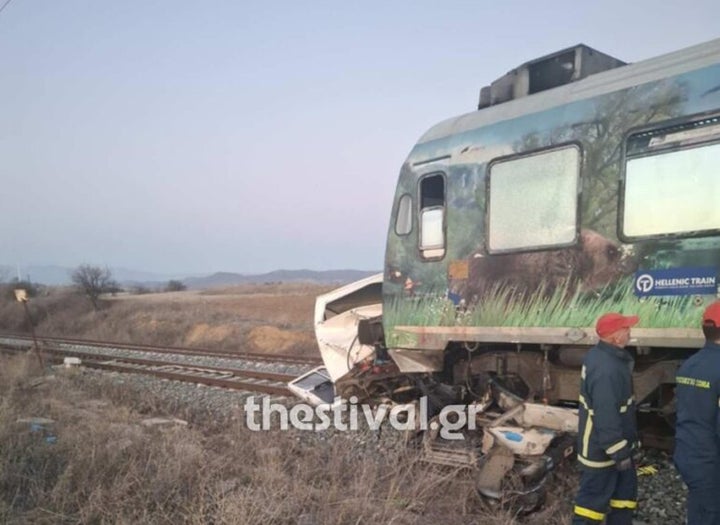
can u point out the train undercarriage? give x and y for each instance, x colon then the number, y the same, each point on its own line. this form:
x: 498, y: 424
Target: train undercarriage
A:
x: 518, y: 402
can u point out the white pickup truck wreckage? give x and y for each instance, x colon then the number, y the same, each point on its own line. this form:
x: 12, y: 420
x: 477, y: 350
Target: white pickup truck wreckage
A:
x: 513, y: 444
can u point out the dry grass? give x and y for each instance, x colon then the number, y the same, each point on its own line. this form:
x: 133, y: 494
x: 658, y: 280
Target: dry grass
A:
x: 106, y: 467
x: 269, y: 318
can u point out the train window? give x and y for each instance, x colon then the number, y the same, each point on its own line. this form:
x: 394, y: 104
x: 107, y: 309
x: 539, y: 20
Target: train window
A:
x: 432, y: 216
x: 432, y: 191
x: 403, y: 221
x: 532, y: 200
x: 431, y: 236
x: 671, y: 182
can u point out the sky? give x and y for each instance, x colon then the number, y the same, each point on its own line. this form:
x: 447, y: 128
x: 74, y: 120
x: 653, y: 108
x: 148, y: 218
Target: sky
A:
x: 192, y: 137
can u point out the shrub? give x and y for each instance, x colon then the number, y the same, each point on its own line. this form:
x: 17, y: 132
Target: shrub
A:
x: 8, y: 290
x: 175, y: 286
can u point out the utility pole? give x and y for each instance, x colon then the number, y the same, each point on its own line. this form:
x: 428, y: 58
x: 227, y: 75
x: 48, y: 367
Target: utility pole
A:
x: 22, y: 297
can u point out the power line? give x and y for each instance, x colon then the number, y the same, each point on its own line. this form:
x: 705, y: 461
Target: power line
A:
x: 5, y: 5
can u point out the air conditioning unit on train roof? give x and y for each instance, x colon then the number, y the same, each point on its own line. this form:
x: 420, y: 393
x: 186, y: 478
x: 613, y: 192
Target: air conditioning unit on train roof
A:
x: 550, y: 71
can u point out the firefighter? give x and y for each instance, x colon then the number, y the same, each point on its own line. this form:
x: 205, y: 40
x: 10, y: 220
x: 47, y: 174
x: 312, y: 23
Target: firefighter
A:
x: 697, y: 431
x: 607, y: 432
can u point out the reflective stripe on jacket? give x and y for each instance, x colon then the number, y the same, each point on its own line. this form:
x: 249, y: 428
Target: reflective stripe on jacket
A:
x: 608, y: 426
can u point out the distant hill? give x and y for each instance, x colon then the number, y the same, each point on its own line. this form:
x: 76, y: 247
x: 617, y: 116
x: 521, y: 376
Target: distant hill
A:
x: 231, y: 279
x: 50, y: 275
x: 60, y: 275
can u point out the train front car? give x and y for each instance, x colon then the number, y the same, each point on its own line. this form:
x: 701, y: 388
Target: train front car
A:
x: 581, y: 186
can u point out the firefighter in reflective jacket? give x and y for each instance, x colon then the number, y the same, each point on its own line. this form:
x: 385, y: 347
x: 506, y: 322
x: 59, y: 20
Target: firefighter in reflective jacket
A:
x: 607, y: 432
x: 697, y: 430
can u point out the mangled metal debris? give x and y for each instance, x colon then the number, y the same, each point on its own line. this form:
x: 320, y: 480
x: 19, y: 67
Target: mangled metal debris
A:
x: 511, y: 444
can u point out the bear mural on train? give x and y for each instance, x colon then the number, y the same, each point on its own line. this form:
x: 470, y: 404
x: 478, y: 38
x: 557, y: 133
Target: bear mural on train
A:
x: 588, y: 267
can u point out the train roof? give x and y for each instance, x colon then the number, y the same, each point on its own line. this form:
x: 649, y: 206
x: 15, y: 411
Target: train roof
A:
x: 671, y: 64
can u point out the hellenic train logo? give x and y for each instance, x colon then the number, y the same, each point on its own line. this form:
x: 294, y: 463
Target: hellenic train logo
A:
x: 676, y: 281
x: 644, y: 283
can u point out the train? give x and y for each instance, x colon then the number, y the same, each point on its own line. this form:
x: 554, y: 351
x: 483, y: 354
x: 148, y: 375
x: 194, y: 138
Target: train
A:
x: 579, y: 185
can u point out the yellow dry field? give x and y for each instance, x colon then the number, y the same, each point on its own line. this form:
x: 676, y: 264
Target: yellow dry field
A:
x: 273, y: 318
x: 268, y: 318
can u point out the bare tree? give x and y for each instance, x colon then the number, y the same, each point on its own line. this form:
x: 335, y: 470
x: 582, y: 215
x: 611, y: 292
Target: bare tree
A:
x: 175, y: 286
x: 92, y: 281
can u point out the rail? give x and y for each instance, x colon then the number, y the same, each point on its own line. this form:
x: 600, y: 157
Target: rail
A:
x: 225, y: 377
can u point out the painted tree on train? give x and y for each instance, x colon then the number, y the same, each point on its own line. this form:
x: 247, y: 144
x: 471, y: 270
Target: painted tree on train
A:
x: 602, y: 135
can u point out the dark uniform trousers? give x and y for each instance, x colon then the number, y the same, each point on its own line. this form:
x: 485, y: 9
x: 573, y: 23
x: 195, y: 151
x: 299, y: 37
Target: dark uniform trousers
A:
x: 606, y: 494
x: 703, y: 502
x: 697, y: 433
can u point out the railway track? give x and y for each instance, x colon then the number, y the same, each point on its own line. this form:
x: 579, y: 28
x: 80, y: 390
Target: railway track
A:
x: 655, y: 433
x: 104, y: 356
x: 174, y: 350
